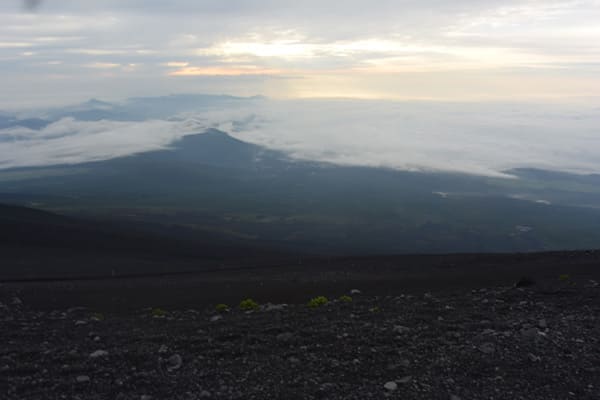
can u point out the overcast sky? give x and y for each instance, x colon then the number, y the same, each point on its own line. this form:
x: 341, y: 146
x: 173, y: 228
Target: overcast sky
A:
x: 60, y: 51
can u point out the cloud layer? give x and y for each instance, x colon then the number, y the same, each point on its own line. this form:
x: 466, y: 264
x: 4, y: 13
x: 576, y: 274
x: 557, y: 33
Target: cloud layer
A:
x: 475, y: 138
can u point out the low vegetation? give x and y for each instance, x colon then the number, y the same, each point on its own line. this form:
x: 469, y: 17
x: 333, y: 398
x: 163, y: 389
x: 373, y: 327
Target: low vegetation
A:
x: 318, y: 301
x: 248, y: 305
x: 345, y: 299
x: 222, y: 307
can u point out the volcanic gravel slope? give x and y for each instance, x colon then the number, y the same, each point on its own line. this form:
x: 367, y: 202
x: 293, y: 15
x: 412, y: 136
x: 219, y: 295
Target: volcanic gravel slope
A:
x: 495, y: 343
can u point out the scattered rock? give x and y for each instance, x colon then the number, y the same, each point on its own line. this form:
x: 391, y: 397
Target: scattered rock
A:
x: 274, y: 307
x: 399, y: 329
x: 487, y: 348
x: 285, y: 337
x: 216, y: 318
x: 391, y: 386
x: 99, y: 353
x: 174, y: 362
x: 82, y: 379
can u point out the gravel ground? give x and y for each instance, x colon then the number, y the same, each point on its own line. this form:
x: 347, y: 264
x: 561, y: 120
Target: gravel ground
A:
x: 494, y: 343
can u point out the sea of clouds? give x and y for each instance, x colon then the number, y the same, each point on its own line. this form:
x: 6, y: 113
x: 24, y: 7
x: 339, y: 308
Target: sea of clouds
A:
x: 476, y: 138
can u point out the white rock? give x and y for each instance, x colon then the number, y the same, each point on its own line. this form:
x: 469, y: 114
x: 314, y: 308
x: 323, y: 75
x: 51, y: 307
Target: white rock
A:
x: 82, y: 379
x: 391, y: 386
x: 99, y: 353
x: 355, y: 291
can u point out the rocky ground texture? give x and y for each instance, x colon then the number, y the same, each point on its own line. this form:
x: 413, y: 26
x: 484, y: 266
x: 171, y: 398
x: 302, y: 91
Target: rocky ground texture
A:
x: 490, y: 343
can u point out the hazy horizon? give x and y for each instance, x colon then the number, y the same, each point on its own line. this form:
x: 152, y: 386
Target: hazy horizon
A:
x: 59, y: 52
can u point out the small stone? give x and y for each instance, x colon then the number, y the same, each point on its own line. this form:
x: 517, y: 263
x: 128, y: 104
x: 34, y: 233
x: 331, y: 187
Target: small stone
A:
x: 400, y: 329
x: 285, y: 337
x: 82, y: 379
x: 145, y: 397
x: 404, y: 363
x: 355, y: 291
x: 80, y: 322
x: 405, y: 379
x: 205, y: 394
x: 487, y: 348
x: 216, y: 318
x: 454, y: 397
x: 542, y: 324
x: 99, y: 353
x: 174, y: 362
x: 274, y: 307
x: 534, y: 358
x: 391, y: 386
x: 162, y: 349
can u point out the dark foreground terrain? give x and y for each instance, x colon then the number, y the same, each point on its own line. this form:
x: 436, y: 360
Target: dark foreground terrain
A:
x: 403, y: 336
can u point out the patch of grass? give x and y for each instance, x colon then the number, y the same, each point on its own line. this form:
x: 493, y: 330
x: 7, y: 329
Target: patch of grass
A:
x: 248, y: 305
x: 318, y: 301
x: 564, y: 277
x: 158, y: 312
x: 222, y: 307
x: 375, y: 309
x: 345, y: 299
x: 98, y: 316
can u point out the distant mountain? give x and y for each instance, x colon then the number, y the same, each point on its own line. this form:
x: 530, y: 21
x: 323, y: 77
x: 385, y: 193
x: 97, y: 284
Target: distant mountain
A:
x: 214, y: 185
x: 143, y: 108
x: 7, y: 121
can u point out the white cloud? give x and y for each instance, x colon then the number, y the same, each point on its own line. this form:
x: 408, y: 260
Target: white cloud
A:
x: 476, y: 138
x: 68, y: 141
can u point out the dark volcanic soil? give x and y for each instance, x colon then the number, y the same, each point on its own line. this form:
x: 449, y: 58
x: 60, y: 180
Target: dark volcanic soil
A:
x: 539, y: 342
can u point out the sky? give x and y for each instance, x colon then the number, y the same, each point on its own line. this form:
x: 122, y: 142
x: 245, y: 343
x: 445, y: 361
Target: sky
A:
x: 62, y: 51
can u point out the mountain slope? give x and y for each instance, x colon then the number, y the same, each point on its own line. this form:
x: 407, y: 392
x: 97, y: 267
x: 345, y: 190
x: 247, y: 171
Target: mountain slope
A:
x: 214, y: 184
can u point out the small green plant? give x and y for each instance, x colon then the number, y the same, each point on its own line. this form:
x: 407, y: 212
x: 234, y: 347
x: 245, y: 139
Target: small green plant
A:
x: 158, y: 312
x: 345, y: 299
x: 97, y: 316
x: 248, y: 305
x: 318, y: 301
x: 222, y: 307
x: 375, y: 309
x: 564, y: 277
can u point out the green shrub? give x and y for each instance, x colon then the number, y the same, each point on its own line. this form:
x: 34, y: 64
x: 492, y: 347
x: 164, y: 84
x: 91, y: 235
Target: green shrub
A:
x: 564, y: 277
x: 375, y: 309
x: 222, y: 307
x: 318, y: 301
x: 97, y: 316
x: 248, y: 305
x: 158, y: 312
x: 345, y: 299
